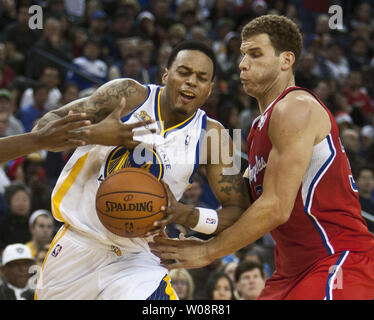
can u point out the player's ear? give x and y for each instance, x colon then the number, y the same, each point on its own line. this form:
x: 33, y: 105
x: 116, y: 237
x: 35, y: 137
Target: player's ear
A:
x: 211, y: 88
x: 287, y: 60
x: 165, y: 76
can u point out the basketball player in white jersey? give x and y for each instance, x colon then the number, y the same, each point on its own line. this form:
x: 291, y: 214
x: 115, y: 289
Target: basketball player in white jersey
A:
x: 85, y: 260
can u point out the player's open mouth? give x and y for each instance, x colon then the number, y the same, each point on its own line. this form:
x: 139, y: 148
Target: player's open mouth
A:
x: 187, y: 97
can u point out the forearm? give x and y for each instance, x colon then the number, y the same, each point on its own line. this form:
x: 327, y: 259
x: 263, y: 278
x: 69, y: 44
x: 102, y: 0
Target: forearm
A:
x: 16, y: 146
x: 76, y: 106
x: 226, y: 216
x: 254, y: 223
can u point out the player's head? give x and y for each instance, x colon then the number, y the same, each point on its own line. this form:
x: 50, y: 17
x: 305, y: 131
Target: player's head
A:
x: 284, y: 35
x: 271, y: 45
x: 196, y: 46
x: 189, y: 75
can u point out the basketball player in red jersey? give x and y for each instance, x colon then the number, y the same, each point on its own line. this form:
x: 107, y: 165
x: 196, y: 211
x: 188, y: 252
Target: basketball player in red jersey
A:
x: 300, y: 182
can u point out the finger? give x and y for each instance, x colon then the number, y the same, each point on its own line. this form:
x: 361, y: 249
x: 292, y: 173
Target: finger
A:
x: 144, y: 132
x: 75, y: 125
x: 166, y: 255
x: 161, y: 224
x: 154, y: 232
x: 139, y: 124
x: 172, y: 264
x: 71, y: 117
x: 167, y: 242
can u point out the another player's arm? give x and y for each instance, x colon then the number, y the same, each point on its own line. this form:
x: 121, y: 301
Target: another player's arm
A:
x: 296, y: 125
x: 102, y: 101
x: 59, y: 133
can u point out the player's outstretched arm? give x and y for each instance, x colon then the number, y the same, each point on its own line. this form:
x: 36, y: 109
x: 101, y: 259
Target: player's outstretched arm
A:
x: 58, y: 133
x: 295, y: 127
x: 110, y: 102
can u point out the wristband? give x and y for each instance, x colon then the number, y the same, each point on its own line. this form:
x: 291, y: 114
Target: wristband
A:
x: 208, y: 221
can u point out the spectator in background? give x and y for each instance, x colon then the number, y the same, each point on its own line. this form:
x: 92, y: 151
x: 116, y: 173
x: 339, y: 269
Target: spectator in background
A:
x: 41, y: 230
x: 182, y: 283
x: 229, y: 268
x: 4, y: 123
x: 91, y: 64
x: 146, y: 29
x: 229, y: 60
x: 351, y: 142
x: 200, y: 277
x: 367, y: 139
x: 79, y: 38
x: 123, y: 25
x: 19, y: 39
x: 249, y: 280
x: 28, y: 114
x: 357, y: 95
x: 70, y: 92
x: 51, y: 77
x: 50, y: 43
x: 156, y: 71
x: 305, y: 75
x: 336, y: 63
x: 14, y: 226
x: 130, y: 68
x: 176, y: 33
x: 365, y: 185
x: 15, y: 170
x: 358, y: 57
x: 36, y: 179
x: 8, y: 13
x: 219, y: 287
x: 16, y: 263
x: 7, y: 73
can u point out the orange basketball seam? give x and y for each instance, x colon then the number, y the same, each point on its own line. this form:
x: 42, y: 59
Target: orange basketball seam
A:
x: 129, y: 191
x: 119, y: 218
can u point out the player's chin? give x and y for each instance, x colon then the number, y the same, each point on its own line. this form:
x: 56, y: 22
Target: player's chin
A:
x: 186, y: 109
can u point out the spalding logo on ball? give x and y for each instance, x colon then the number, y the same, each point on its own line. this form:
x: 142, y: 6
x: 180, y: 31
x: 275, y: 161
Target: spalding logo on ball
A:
x: 129, y: 201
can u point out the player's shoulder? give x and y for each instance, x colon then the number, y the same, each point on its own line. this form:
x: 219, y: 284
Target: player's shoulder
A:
x: 298, y: 101
x: 213, y: 124
x: 298, y: 106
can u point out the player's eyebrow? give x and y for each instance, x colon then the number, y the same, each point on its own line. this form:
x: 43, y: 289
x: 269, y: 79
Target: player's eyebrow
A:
x: 202, y: 73
x: 244, y: 50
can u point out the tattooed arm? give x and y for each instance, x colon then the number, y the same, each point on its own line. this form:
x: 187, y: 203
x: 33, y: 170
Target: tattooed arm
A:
x: 125, y: 94
x: 224, y: 178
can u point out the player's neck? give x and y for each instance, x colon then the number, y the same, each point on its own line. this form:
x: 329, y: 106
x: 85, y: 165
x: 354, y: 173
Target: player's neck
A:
x: 171, y: 117
x: 274, y: 91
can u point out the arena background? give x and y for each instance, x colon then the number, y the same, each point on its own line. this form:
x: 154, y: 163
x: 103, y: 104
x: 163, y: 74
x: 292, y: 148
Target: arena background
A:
x: 74, y: 46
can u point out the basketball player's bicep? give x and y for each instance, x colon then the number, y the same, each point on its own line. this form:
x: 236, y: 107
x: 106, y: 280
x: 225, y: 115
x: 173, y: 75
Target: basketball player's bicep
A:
x: 288, y: 161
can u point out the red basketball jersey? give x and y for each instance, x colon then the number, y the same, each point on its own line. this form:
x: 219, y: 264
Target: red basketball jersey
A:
x: 326, y: 217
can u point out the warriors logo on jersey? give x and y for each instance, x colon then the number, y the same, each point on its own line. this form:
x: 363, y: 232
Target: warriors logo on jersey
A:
x: 140, y: 157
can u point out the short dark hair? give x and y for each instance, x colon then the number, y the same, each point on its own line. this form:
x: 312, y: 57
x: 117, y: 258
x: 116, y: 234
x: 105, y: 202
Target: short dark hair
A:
x: 39, y: 85
x: 193, y: 45
x: 245, y: 266
x: 283, y: 33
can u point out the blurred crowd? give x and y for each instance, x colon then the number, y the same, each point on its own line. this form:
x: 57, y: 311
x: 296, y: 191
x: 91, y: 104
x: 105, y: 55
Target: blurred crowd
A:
x: 84, y: 43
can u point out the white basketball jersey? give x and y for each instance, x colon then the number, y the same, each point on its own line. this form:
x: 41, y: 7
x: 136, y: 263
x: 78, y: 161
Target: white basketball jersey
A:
x: 174, y: 158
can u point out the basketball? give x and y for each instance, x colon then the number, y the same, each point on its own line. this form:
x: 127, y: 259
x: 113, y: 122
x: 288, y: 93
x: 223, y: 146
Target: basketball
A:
x: 129, y: 200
